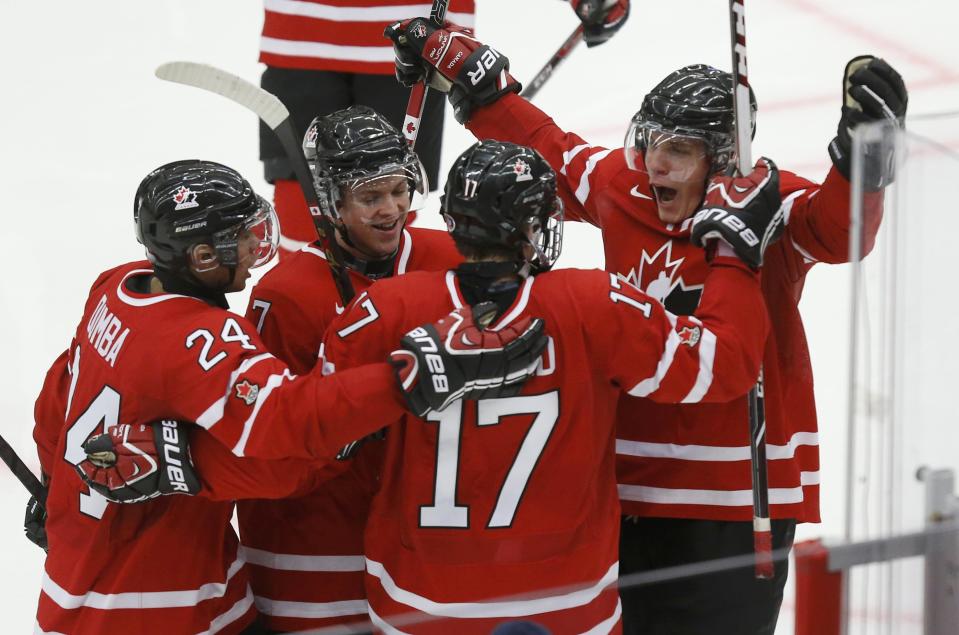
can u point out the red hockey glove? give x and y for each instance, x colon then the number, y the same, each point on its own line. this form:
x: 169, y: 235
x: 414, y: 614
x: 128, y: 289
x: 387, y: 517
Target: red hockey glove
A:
x: 744, y: 212
x: 872, y: 90
x: 134, y: 463
x: 601, y: 18
x: 457, y: 358
x: 473, y: 73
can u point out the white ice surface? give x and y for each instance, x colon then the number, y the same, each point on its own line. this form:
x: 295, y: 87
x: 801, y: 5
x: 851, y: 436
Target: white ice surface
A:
x: 83, y: 119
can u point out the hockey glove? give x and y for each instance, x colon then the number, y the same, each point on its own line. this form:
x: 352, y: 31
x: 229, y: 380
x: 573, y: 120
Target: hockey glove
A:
x: 601, y: 18
x: 473, y: 73
x: 134, y: 463
x: 744, y: 212
x: 35, y: 523
x: 457, y: 358
x: 871, y: 91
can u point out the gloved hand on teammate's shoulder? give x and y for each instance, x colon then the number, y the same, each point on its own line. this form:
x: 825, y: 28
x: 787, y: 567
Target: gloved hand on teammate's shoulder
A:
x: 744, y: 212
x: 872, y: 90
x: 133, y: 463
x: 601, y: 18
x: 35, y: 523
x: 453, y: 61
x: 457, y: 357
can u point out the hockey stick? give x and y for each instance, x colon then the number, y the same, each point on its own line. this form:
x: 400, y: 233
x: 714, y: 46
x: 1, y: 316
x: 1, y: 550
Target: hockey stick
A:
x: 275, y: 115
x: 762, y: 528
x: 23, y: 473
x: 414, y: 109
x: 558, y: 57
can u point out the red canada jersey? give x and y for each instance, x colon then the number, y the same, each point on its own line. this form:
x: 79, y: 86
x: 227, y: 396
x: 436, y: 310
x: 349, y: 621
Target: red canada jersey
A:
x: 307, y: 552
x: 490, y: 500
x: 693, y: 461
x: 171, y: 565
x: 341, y: 35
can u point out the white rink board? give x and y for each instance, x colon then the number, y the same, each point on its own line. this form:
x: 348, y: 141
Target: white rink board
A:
x: 83, y: 120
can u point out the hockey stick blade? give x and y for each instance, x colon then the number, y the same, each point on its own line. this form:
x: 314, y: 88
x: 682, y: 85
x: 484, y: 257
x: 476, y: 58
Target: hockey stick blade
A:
x: 22, y: 472
x: 266, y: 106
x: 274, y: 114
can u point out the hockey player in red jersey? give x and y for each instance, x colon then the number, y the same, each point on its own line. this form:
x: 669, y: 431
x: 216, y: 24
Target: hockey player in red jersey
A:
x: 507, y: 508
x: 684, y: 471
x: 155, y: 341
x: 307, y: 552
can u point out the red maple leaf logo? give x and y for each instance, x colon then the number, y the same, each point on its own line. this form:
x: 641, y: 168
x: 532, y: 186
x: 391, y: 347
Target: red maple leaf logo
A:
x: 410, y: 127
x: 247, y: 392
x: 181, y: 194
x: 689, y: 335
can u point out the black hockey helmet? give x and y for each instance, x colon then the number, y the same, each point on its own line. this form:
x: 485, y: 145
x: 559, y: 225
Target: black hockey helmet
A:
x: 193, y: 202
x: 356, y: 146
x: 503, y: 195
x: 695, y: 101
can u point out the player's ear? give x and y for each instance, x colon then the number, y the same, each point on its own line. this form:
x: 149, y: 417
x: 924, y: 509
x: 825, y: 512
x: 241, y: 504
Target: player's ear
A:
x: 203, y: 258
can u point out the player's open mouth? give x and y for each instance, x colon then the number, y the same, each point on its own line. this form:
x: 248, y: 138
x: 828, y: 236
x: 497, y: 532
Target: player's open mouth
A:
x: 663, y: 194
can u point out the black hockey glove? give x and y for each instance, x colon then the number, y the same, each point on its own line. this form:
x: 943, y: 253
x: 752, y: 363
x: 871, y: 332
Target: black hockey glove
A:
x: 349, y: 450
x: 35, y: 523
x: 457, y: 358
x: 473, y: 73
x: 134, y: 463
x: 871, y: 91
x: 744, y: 212
x: 601, y: 18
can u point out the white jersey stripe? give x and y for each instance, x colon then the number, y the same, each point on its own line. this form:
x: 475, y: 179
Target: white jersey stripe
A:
x: 714, y: 453
x: 383, y: 625
x: 451, y: 287
x: 294, y: 562
x: 519, y: 308
x: 296, y: 48
x: 405, y: 254
x: 604, y: 627
x: 359, y: 14
x: 153, y: 299
x: 704, y: 378
x: 651, y: 384
x: 234, y: 613
x: 136, y: 600
x: 507, y: 608
x: 310, y: 610
x: 569, y: 155
x: 262, y: 396
x: 718, y: 498
x: 212, y: 415
x: 582, y: 192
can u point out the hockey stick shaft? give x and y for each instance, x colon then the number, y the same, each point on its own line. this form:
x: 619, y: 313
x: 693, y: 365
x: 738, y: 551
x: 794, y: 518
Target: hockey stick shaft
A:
x: 417, y: 102
x: 550, y: 67
x: 22, y: 472
x: 275, y: 115
x: 762, y: 527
